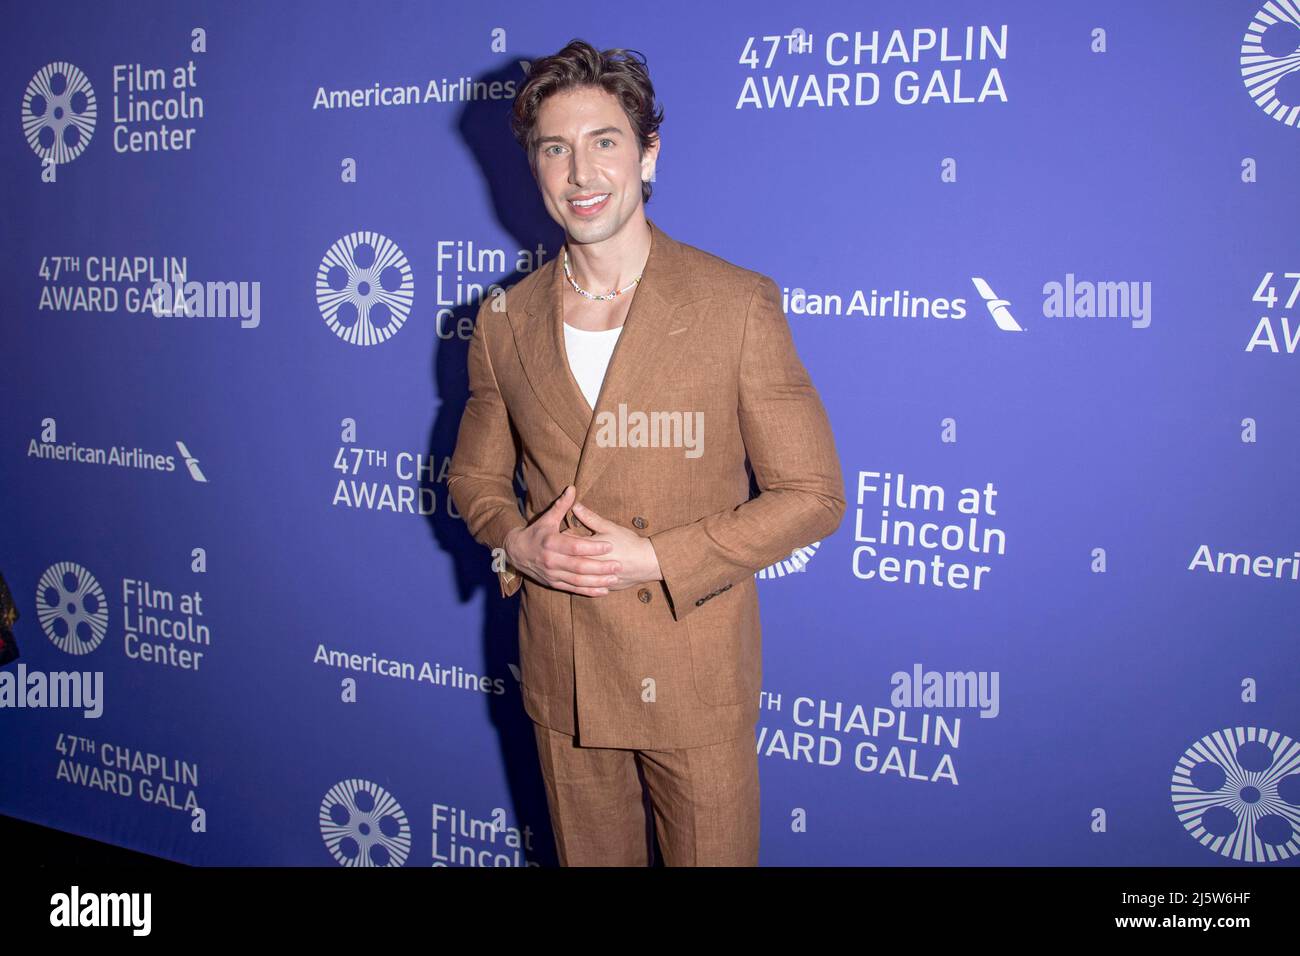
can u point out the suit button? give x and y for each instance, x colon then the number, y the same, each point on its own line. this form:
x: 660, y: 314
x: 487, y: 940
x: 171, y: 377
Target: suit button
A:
x: 640, y: 522
x: 643, y: 596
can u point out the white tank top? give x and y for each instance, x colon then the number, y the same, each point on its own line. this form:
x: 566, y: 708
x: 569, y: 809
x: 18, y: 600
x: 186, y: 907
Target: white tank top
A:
x: 589, y: 354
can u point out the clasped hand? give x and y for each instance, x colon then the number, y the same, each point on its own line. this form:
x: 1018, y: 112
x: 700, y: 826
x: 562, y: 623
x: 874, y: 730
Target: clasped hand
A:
x: 611, y: 559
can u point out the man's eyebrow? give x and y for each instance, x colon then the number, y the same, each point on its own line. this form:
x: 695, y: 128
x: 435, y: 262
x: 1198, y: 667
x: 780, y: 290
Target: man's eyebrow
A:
x: 595, y: 132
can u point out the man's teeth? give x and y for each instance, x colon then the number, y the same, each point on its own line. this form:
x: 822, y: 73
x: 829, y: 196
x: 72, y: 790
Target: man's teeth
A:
x: 590, y: 202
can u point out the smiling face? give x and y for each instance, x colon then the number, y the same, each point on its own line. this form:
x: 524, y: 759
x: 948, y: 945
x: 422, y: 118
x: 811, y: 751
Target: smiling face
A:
x: 586, y: 149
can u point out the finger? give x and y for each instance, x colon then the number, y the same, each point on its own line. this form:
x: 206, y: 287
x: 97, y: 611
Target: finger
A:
x: 588, y: 517
x: 588, y: 592
x: 584, y: 580
x: 554, y: 559
x: 568, y: 543
x: 574, y: 565
x: 555, y: 513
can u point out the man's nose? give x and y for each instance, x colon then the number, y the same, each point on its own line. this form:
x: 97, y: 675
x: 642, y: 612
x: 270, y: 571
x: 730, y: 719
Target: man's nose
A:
x: 579, y: 167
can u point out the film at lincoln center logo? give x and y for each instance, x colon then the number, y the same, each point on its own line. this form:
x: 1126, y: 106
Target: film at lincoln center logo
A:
x: 71, y: 607
x: 59, y: 112
x: 1237, y: 791
x: 1270, y: 60
x: 363, y: 825
x: 364, y: 288
x: 797, y: 562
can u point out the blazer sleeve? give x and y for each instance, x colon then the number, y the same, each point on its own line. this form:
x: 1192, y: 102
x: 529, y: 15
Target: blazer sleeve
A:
x: 481, y: 478
x: 791, y: 449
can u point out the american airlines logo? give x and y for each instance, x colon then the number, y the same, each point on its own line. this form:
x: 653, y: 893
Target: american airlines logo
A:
x: 1000, y: 309
x: 191, y: 462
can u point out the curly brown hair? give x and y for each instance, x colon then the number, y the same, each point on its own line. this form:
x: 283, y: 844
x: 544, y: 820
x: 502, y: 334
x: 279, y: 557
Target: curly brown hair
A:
x: 619, y: 72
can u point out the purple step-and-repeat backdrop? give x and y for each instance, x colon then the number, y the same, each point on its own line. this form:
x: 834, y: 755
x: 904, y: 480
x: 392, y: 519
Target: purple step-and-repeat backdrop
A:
x: 1041, y: 261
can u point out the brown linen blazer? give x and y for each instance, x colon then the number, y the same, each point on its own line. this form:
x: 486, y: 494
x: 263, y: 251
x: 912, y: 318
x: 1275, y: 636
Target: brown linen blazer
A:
x: 673, y: 663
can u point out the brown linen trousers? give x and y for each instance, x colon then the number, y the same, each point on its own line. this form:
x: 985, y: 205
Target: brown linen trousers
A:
x: 704, y: 802
x: 675, y: 663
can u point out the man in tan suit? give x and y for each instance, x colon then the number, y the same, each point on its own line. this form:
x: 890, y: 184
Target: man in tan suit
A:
x: 639, y: 633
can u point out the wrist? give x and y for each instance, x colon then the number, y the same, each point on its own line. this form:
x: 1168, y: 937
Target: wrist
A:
x: 505, y: 545
x: 656, y: 573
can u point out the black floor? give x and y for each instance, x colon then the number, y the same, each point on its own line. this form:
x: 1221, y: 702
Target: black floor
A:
x: 39, y: 846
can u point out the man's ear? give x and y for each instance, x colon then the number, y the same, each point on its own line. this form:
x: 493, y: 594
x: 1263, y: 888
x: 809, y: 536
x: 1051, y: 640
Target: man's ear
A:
x: 648, y: 160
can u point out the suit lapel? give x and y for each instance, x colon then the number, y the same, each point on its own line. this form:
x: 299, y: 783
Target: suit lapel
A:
x: 539, y: 336
x: 645, y: 352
